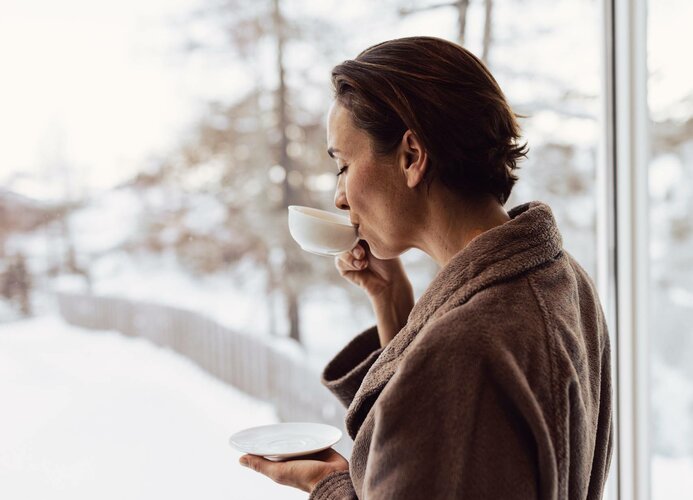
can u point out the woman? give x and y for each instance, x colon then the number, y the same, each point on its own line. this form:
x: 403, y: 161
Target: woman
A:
x: 496, y: 383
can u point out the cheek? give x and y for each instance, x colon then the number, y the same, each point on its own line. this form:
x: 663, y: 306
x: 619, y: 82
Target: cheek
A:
x: 370, y: 192
x: 357, y: 190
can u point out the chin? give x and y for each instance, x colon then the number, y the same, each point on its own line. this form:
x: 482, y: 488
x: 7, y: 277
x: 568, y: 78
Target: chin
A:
x: 383, y: 252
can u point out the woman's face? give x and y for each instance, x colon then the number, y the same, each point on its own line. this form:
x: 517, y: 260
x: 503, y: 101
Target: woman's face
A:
x: 372, y: 189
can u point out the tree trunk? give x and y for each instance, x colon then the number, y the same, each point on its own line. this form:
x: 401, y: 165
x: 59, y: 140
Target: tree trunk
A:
x: 69, y: 257
x: 294, y: 319
x: 271, y: 287
x: 281, y: 103
x: 488, y: 31
x: 289, y: 196
x: 462, y: 6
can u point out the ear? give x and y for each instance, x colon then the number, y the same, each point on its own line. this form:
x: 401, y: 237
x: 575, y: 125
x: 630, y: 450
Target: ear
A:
x: 414, y: 159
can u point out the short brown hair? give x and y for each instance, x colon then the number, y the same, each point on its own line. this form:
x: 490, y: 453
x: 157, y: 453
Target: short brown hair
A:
x: 447, y: 98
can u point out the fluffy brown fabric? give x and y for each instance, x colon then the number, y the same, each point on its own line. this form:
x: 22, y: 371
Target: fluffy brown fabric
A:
x: 498, y: 386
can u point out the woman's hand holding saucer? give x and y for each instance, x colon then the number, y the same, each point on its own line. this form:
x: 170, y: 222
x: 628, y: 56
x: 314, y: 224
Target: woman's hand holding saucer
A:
x: 302, y: 472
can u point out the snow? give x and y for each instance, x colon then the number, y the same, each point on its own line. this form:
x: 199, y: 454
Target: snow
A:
x: 106, y: 222
x: 52, y: 376
x: 7, y: 311
x: 163, y: 281
x: 681, y: 297
x: 664, y: 172
x: 238, y: 301
x: 671, y: 403
x: 672, y: 478
x: 205, y: 216
x: 96, y: 415
x: 580, y: 132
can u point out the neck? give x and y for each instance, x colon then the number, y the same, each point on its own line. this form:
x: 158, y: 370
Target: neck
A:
x: 450, y: 223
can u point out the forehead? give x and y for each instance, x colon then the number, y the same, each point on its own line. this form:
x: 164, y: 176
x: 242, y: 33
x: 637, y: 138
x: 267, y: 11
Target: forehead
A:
x: 337, y: 119
x: 341, y: 132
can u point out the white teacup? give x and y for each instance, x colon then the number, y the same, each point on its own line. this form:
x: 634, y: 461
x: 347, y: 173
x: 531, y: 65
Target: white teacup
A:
x: 321, y: 232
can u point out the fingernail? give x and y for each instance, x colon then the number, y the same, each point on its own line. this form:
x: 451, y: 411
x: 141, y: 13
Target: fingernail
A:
x: 244, y: 461
x: 361, y: 264
x: 358, y: 253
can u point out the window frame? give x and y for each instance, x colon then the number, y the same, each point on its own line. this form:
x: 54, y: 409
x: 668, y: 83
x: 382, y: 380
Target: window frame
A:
x: 622, y: 239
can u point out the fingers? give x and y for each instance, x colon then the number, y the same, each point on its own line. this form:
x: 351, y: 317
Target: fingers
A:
x: 323, y: 456
x: 301, y: 473
x: 271, y: 469
x: 353, y: 260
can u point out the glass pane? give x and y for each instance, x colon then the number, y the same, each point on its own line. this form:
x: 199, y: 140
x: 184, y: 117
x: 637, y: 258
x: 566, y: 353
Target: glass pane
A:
x: 549, y: 66
x: 670, y: 99
x: 548, y: 63
x: 150, y: 150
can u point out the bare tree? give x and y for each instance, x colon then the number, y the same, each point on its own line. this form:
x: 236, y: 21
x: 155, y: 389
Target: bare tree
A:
x: 488, y: 30
x: 461, y: 7
x: 282, y: 139
x: 289, y: 195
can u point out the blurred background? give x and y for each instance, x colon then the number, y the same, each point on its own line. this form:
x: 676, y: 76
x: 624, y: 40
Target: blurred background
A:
x: 151, y: 300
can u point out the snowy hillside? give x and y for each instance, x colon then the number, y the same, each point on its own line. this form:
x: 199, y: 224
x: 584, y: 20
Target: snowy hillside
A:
x: 89, y: 415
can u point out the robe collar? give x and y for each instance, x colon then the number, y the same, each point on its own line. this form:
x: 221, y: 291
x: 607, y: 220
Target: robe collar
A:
x: 530, y: 239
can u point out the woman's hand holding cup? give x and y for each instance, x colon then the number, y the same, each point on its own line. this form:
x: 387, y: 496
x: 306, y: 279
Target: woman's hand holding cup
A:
x: 386, y: 284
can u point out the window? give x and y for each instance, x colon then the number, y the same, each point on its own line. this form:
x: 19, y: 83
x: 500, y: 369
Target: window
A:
x: 153, y: 150
x: 670, y: 259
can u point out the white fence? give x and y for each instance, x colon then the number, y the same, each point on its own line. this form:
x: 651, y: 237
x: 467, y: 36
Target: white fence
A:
x: 250, y: 363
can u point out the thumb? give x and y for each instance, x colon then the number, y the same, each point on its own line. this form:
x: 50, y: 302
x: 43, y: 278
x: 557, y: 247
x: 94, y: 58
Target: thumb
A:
x: 254, y: 462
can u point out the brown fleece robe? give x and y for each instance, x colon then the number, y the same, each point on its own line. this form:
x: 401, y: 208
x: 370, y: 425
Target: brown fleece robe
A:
x: 498, y: 386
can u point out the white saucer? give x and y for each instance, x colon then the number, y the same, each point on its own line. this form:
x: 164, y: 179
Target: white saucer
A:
x: 286, y: 440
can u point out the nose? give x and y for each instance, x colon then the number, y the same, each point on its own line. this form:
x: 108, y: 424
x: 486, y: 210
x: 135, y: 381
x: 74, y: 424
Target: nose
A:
x: 340, y: 199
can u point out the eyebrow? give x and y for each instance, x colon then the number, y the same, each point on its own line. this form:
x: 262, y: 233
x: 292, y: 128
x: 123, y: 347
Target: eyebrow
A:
x: 332, y: 151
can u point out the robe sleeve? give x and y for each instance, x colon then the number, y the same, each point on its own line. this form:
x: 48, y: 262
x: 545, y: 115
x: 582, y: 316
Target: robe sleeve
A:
x: 344, y: 374
x: 452, y: 423
x: 336, y: 486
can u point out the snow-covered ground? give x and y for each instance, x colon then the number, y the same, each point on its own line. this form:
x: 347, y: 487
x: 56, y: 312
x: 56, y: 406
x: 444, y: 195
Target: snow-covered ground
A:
x: 327, y: 323
x: 87, y: 415
x: 672, y: 478
x: 97, y: 415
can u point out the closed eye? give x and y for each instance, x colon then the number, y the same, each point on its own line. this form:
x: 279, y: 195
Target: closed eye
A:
x: 341, y: 170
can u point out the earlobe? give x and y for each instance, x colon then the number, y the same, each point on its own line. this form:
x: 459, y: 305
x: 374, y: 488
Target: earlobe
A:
x: 415, y: 158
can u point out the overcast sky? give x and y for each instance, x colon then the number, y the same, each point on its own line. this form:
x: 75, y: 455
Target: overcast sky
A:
x: 97, y: 84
